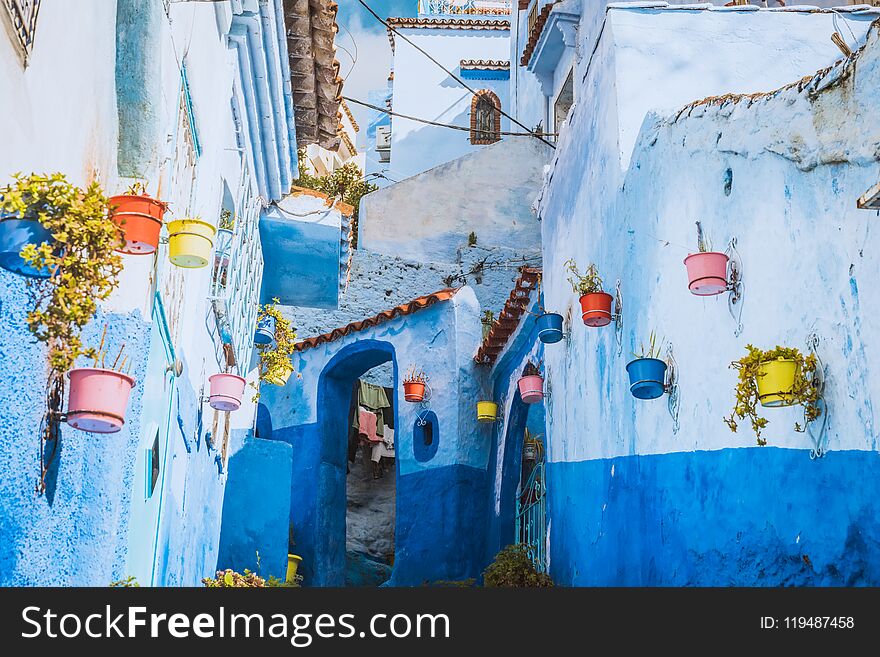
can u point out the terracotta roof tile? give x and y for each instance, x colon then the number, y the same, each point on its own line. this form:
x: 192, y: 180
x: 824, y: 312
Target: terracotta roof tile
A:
x: 343, y: 207
x: 509, y: 317
x: 535, y: 34
x: 415, y: 305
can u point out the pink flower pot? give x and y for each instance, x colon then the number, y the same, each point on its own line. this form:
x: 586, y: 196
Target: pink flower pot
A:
x: 531, y: 388
x: 707, y: 273
x: 98, y: 399
x: 226, y: 391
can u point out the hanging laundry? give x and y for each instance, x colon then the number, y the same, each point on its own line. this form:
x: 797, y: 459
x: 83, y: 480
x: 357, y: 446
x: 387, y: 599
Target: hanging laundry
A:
x: 374, y: 399
x: 384, y: 448
x: 367, y: 425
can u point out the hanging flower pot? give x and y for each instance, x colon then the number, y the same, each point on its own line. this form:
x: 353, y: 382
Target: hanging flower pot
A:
x: 98, y: 399
x: 293, y: 562
x: 775, y: 381
x: 15, y: 234
x: 414, y: 391
x: 596, y: 308
x: 226, y: 391
x: 265, y: 333
x: 531, y: 388
x: 647, y: 378
x: 707, y: 273
x: 549, y: 328
x: 487, y: 411
x: 279, y: 379
x: 140, y: 217
x: 190, y: 242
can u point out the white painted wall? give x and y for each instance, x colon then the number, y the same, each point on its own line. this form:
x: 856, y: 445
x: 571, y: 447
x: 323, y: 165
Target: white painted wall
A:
x: 424, y: 90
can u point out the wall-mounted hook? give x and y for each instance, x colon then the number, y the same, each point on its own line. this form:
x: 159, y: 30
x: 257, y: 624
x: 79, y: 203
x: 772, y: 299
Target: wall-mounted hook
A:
x: 671, y: 387
x: 818, y: 436
x: 617, y: 317
x: 735, y: 285
x: 176, y: 367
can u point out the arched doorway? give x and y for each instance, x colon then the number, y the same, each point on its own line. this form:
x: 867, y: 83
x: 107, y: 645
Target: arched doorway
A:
x: 337, y: 387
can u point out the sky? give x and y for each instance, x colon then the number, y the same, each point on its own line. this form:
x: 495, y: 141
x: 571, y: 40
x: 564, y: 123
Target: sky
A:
x: 362, y: 36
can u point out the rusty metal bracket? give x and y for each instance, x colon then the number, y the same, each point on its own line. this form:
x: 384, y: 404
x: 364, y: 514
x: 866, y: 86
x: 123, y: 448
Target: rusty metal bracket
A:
x: 735, y: 285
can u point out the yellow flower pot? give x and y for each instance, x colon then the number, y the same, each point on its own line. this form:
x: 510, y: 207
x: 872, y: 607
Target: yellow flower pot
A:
x: 775, y: 380
x: 279, y: 380
x: 487, y: 411
x: 190, y: 242
x: 293, y: 562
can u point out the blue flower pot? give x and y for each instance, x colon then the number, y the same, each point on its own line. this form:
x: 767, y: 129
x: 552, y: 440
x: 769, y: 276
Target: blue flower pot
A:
x: 549, y: 328
x: 15, y: 234
x: 646, y: 378
x: 265, y: 333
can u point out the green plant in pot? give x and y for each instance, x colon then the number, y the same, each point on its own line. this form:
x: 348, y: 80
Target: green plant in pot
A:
x: 595, y: 303
x: 275, y: 364
x: 782, y: 376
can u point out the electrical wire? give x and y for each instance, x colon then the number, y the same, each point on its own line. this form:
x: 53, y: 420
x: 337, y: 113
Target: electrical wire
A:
x: 444, y: 125
x: 448, y: 72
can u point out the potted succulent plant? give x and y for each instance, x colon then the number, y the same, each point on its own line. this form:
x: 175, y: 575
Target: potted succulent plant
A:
x: 140, y: 216
x: 227, y: 389
x: 647, y: 373
x: 487, y: 411
x: 414, y: 384
x: 190, y: 241
x: 275, y: 364
x: 782, y: 376
x: 98, y: 396
x: 531, y: 384
x: 707, y: 269
x: 595, y: 303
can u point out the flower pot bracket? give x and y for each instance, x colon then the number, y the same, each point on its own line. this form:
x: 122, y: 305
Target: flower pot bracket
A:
x: 617, y: 317
x: 424, y: 405
x: 734, y: 285
x: 818, y: 434
x: 673, y: 400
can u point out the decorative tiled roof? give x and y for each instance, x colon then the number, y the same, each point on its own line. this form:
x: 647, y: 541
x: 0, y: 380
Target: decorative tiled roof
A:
x: 535, y: 33
x: 510, y: 316
x: 413, y: 306
x: 484, y: 65
x: 350, y: 116
x: 314, y: 70
x: 445, y: 23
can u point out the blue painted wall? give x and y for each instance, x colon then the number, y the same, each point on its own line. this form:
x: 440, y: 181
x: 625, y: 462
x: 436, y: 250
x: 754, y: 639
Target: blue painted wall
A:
x: 733, y: 517
x: 256, y: 508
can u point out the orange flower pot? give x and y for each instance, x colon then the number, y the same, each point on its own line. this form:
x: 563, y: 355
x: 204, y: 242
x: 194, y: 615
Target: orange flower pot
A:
x: 141, y: 219
x: 413, y: 391
x: 596, y: 308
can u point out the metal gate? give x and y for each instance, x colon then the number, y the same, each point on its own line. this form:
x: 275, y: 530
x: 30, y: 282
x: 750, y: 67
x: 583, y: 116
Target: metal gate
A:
x: 531, y: 517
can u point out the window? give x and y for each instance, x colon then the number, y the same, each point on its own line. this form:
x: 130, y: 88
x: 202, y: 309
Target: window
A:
x: 22, y: 17
x: 564, y: 101
x: 485, y: 118
x: 426, y: 436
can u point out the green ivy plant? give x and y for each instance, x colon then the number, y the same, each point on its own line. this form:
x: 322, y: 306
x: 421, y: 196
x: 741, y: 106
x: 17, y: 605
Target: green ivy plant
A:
x: 82, y: 259
x: 587, y: 283
x: 275, y: 360
x: 805, y: 392
x: 513, y: 568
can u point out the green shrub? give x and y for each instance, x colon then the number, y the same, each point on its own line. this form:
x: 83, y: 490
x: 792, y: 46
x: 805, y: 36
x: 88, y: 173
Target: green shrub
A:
x: 513, y: 568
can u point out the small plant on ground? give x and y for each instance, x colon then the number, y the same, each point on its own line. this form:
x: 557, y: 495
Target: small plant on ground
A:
x: 275, y: 363
x: 651, y: 350
x: 472, y: 239
x: 513, y: 568
x: 229, y: 579
x: 805, y: 391
x: 587, y: 283
x: 127, y: 583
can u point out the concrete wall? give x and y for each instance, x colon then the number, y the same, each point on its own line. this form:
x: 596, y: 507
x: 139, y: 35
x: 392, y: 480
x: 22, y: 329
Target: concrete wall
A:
x: 422, y: 89
x: 438, y: 499
x: 632, y: 501
x: 489, y: 192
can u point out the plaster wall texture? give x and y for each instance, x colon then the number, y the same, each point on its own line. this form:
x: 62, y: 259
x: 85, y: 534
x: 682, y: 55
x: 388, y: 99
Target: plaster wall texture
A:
x: 632, y: 501
x: 489, y: 192
x: 422, y: 89
x: 441, y: 340
x: 102, y: 524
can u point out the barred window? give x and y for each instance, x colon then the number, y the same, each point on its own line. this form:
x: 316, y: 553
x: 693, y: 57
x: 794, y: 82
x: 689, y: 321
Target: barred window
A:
x: 22, y: 16
x: 485, y: 118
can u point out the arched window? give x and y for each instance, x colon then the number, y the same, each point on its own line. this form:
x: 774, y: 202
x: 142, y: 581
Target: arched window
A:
x: 485, y: 118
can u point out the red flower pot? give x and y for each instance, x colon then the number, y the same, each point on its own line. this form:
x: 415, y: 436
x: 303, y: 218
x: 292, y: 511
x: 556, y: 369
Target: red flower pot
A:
x: 141, y: 219
x: 531, y: 388
x: 596, y: 308
x: 98, y: 399
x: 413, y: 391
x: 707, y: 273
